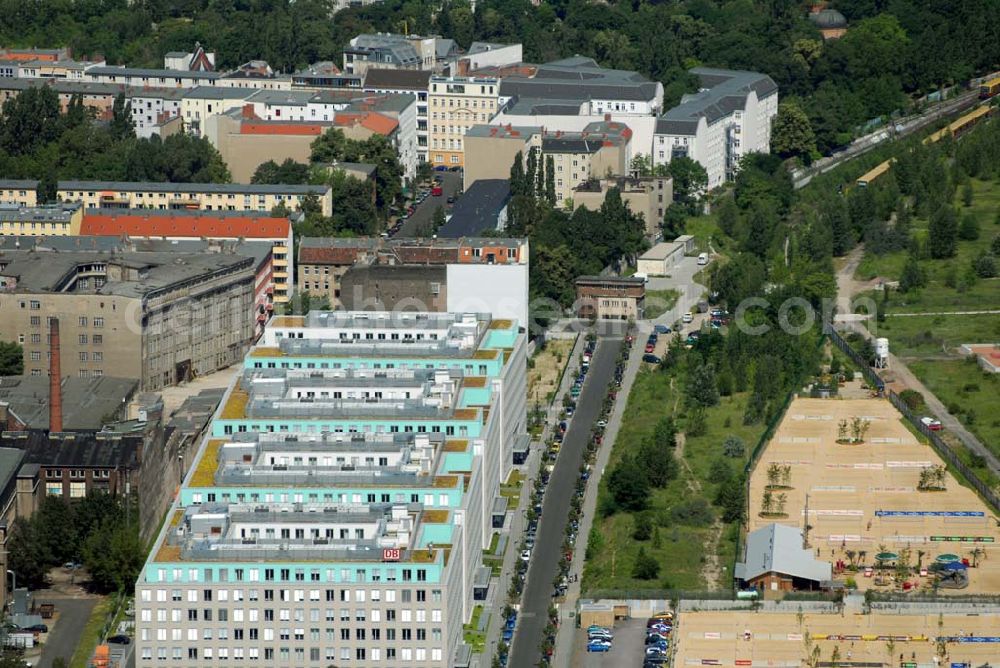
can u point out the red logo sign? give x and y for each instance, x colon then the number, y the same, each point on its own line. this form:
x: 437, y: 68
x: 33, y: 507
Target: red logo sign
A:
x: 390, y: 554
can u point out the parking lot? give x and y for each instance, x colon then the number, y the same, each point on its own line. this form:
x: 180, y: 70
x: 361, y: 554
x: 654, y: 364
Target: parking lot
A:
x: 627, y: 650
x: 423, y: 213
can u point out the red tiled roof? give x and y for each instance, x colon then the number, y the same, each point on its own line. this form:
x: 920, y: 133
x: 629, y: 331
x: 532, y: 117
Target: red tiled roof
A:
x: 184, y: 224
x: 338, y: 256
x: 376, y: 122
x: 266, y: 128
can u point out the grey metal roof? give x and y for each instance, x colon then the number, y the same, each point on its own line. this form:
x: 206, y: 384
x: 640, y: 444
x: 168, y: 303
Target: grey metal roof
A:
x: 216, y: 92
x: 579, y: 79
x: 58, y: 242
x: 224, y: 188
x: 726, y: 92
x: 299, y: 97
x: 18, y: 184
x: 777, y: 548
x: 85, y: 400
x: 54, y: 213
x: 398, y: 47
x: 10, y: 462
x: 46, y: 272
x: 533, y: 106
x: 482, y: 47
x: 379, y: 78
x: 117, y: 70
x: 476, y: 211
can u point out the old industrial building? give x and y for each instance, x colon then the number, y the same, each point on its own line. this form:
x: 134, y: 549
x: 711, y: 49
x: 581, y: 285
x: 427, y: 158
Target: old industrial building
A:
x: 160, y: 317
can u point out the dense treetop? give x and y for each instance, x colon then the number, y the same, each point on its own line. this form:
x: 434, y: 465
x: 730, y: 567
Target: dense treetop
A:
x: 893, y: 48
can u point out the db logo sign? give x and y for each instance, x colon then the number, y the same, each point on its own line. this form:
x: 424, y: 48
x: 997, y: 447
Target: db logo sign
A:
x: 390, y: 554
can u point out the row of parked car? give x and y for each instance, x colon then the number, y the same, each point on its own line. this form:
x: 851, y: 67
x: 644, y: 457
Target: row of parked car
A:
x: 658, y: 630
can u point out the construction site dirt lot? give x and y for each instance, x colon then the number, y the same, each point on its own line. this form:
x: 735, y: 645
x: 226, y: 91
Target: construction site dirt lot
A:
x: 744, y: 638
x: 863, y: 499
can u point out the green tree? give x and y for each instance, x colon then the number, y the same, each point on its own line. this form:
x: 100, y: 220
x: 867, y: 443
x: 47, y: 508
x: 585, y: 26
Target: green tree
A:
x: 646, y: 567
x: 913, y: 276
x: 121, y: 118
x: 27, y: 553
x: 288, y: 172
x: 701, y: 388
x: 674, y: 221
x: 968, y: 230
x: 731, y: 498
x: 967, y: 194
x: 550, y: 180
x: 11, y: 359
x: 658, y: 463
x: 628, y: 485
x: 665, y: 432
x: 690, y: 183
x: 791, y: 132
x: 942, y: 232
x: 333, y: 146
x: 113, y: 555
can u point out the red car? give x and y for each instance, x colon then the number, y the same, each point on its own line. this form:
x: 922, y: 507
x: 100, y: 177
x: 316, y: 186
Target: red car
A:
x: 436, y: 191
x: 650, y: 347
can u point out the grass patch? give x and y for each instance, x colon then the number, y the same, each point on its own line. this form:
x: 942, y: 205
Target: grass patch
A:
x: 472, y: 636
x: 512, y: 488
x: 948, y: 288
x: 969, y: 394
x: 679, y: 549
x: 546, y: 370
x: 659, y: 302
x: 91, y: 633
x: 704, y: 229
x: 935, y: 334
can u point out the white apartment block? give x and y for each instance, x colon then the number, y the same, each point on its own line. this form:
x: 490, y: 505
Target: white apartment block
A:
x: 730, y: 117
x: 455, y: 105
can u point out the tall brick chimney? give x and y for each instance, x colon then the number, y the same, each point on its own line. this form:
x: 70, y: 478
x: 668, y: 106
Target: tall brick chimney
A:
x: 55, y: 379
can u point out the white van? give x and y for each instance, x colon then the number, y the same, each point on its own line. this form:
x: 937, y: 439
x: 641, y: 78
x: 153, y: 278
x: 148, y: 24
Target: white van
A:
x: 703, y: 259
x: 642, y: 275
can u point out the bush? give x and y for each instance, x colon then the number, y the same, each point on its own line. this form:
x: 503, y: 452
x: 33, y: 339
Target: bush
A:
x: 695, y: 512
x: 913, y: 399
x: 645, y: 567
x: 985, y: 266
x: 720, y: 471
x: 643, y: 526
x: 733, y: 446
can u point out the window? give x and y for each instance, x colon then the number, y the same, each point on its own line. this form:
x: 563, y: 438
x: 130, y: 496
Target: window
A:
x: 35, y: 305
x: 77, y: 490
x: 84, y: 356
x: 98, y: 322
x: 97, y: 339
x: 83, y: 321
x: 83, y: 339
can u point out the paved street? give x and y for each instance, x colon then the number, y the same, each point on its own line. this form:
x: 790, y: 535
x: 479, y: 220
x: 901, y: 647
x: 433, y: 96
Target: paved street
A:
x: 423, y: 213
x: 544, y: 564
x: 65, y: 634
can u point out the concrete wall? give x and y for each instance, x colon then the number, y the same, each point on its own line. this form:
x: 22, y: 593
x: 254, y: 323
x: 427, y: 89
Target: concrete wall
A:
x: 500, y: 289
x: 393, y: 286
x: 244, y: 153
x: 491, y: 157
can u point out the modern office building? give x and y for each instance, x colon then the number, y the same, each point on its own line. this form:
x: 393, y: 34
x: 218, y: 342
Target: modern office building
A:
x: 337, y: 510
